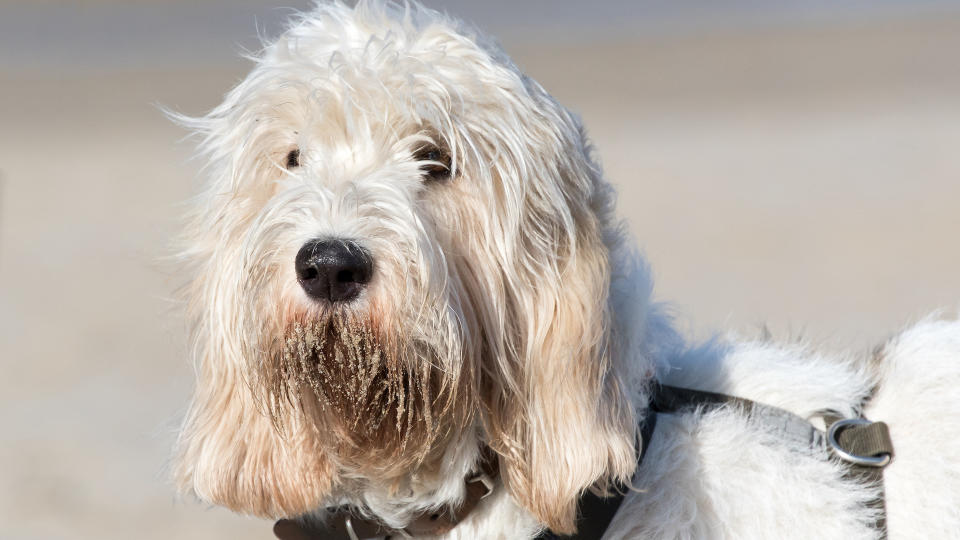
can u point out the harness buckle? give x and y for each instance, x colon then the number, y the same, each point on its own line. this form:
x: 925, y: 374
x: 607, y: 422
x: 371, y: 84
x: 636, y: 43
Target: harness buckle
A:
x: 880, y: 460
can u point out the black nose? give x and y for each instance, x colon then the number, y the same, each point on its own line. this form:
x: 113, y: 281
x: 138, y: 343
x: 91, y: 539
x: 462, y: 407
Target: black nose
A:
x: 333, y: 270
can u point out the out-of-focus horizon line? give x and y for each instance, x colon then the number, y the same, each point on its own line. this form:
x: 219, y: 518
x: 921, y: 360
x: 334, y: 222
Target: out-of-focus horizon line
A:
x: 79, y: 35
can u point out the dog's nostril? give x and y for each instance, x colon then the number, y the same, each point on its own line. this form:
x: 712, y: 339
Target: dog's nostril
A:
x: 333, y: 270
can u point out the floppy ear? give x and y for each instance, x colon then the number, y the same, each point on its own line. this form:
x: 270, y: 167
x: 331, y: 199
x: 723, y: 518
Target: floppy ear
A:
x: 559, y: 417
x: 230, y: 453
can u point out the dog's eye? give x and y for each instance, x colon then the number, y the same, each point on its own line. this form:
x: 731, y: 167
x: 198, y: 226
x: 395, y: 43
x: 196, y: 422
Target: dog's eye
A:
x: 293, y: 158
x: 436, y: 162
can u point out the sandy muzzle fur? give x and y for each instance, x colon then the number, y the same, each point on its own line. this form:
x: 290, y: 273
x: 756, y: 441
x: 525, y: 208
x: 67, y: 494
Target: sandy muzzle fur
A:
x: 387, y: 407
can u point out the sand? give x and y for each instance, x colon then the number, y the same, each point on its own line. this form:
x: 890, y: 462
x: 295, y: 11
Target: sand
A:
x: 805, y: 177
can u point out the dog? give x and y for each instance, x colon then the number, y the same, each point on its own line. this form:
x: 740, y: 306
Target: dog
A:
x: 408, y: 280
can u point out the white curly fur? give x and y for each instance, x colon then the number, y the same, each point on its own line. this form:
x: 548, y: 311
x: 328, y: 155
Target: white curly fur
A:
x: 511, y: 298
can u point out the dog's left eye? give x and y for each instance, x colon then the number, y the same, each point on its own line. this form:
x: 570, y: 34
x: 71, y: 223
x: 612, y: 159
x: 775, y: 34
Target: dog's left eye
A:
x: 293, y: 158
x: 436, y: 164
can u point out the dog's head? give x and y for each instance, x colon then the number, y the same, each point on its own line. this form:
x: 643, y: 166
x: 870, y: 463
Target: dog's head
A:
x: 402, y: 254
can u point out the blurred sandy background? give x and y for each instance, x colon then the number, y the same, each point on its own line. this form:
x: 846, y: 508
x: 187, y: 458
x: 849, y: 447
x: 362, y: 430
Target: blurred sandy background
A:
x: 783, y: 164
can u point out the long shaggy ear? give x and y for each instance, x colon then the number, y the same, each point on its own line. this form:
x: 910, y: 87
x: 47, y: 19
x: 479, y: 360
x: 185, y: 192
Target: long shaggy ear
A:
x: 559, y: 417
x: 231, y: 454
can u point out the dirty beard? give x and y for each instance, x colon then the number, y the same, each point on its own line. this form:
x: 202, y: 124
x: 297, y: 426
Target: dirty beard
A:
x: 378, y: 405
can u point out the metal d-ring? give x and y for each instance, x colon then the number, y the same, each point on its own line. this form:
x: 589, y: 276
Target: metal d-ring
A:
x: 867, y: 461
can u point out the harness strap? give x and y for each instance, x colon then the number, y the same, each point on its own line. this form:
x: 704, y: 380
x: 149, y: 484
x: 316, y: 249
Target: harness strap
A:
x: 791, y: 427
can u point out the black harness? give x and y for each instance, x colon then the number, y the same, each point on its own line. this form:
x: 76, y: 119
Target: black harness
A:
x: 864, y: 446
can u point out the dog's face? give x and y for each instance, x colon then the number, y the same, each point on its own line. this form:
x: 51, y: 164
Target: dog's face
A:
x: 402, y: 255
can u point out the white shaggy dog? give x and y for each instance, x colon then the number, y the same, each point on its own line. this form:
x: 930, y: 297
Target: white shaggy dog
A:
x: 407, y: 272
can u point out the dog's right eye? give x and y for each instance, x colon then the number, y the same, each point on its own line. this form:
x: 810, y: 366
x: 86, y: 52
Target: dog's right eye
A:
x: 293, y: 158
x: 437, y: 164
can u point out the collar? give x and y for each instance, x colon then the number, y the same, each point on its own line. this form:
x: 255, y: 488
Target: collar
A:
x: 345, y: 523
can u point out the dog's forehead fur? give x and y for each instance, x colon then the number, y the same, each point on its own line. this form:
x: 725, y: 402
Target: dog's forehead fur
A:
x: 356, y: 91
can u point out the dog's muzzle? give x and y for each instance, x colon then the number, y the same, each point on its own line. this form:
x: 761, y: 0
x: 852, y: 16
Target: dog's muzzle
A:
x: 333, y: 270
